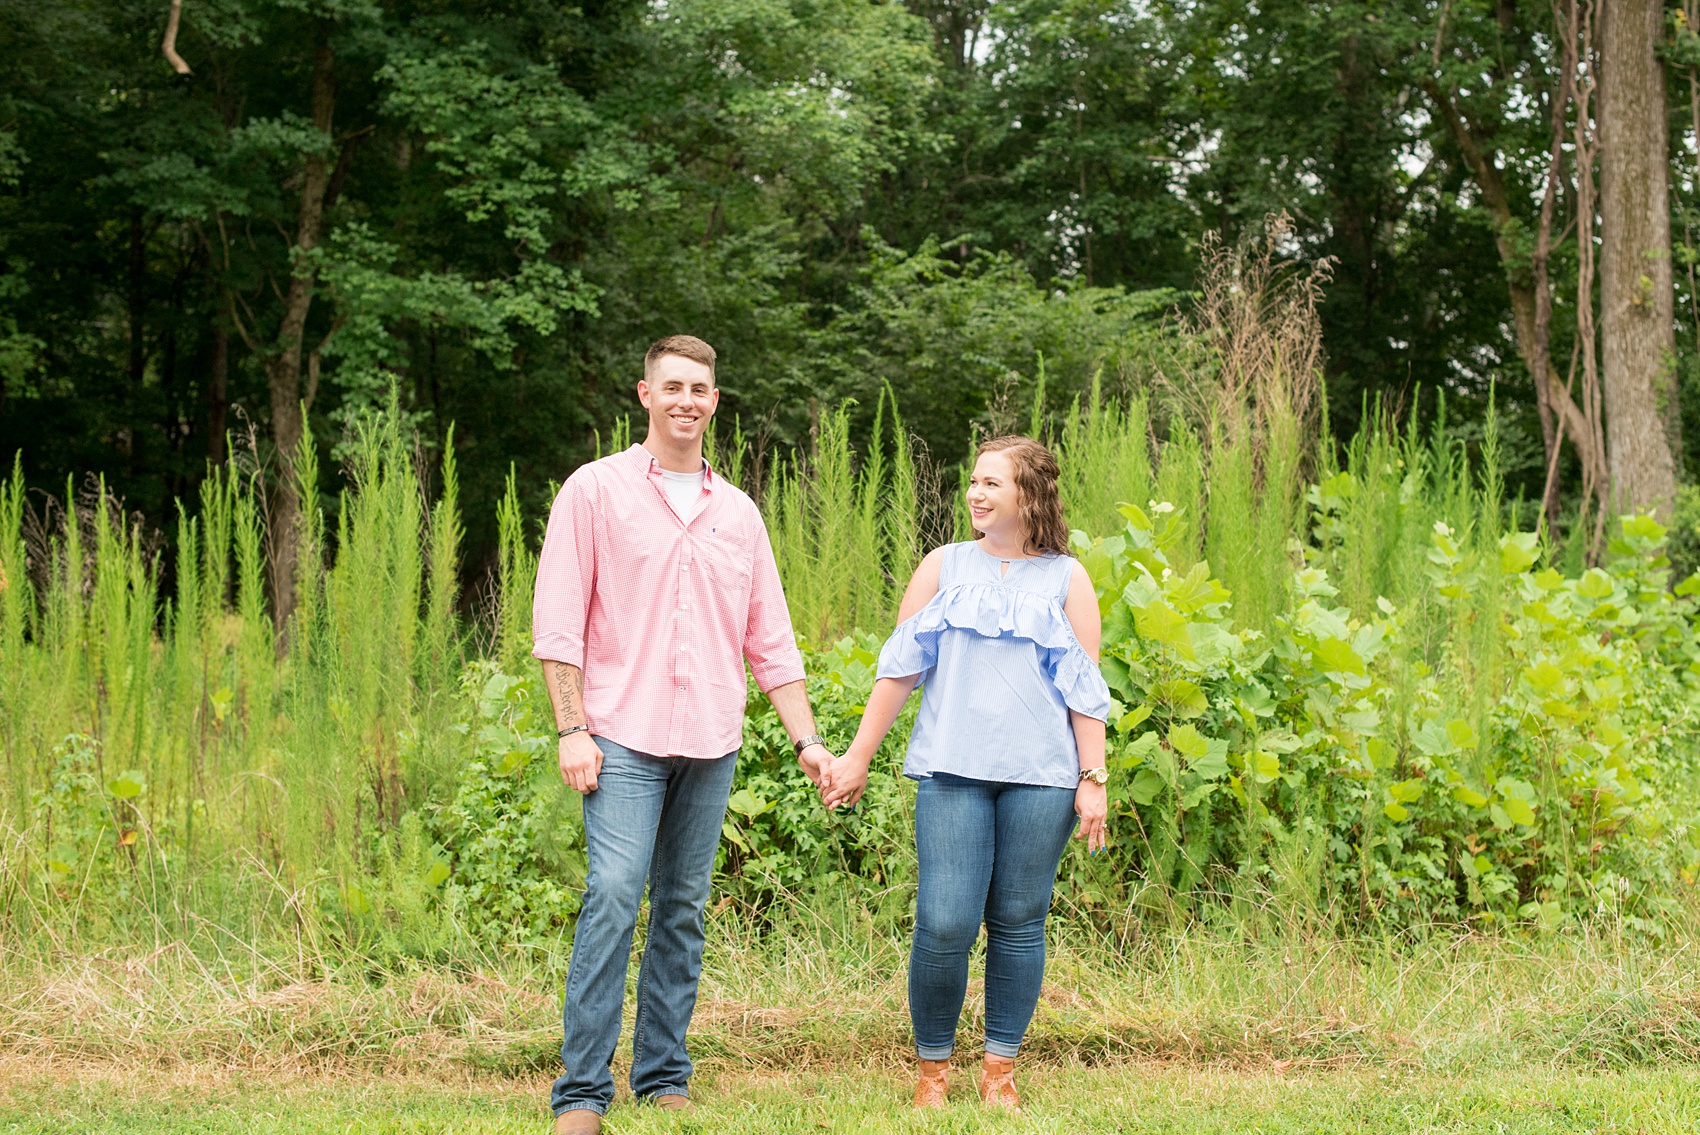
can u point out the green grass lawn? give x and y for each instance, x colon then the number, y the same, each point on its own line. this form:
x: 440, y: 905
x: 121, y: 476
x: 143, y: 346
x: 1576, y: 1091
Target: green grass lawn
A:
x: 42, y: 1098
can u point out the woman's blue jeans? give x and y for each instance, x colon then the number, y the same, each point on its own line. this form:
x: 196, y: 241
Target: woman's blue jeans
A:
x: 988, y: 853
x: 654, y: 820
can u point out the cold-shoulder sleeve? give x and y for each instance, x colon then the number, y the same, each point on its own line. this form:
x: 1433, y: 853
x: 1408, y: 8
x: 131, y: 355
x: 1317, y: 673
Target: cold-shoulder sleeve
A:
x: 999, y: 612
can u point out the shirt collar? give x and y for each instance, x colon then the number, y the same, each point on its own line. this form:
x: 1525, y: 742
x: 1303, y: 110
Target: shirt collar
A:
x: 646, y: 461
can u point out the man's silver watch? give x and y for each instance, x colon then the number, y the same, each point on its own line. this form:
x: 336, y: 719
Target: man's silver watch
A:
x: 802, y: 743
x: 1099, y: 775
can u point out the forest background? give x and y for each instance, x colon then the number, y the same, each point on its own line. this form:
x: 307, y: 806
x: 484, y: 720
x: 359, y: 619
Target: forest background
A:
x: 494, y: 207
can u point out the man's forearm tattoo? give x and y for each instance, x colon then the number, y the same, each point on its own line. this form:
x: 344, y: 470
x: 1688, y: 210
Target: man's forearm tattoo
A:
x: 569, y: 686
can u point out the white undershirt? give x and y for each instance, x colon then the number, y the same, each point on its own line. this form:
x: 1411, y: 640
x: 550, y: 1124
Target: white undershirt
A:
x: 682, y: 491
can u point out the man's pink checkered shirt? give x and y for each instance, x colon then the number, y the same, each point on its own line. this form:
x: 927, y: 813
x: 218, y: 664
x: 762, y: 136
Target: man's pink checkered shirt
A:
x: 660, y: 610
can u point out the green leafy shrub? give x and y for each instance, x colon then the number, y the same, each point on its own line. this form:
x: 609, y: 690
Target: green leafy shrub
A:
x: 90, y: 828
x: 512, y: 837
x: 778, y: 837
x: 1353, y: 732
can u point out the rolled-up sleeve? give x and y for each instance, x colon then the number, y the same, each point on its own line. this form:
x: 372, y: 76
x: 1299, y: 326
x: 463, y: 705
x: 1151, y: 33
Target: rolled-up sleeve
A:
x: 769, y: 643
x: 566, y: 575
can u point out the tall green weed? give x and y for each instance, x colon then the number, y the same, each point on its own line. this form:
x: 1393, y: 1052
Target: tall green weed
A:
x: 1348, y: 700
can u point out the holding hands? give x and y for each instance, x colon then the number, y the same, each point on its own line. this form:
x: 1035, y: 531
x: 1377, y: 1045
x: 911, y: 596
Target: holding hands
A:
x: 840, y: 780
x: 815, y: 759
x: 846, y: 779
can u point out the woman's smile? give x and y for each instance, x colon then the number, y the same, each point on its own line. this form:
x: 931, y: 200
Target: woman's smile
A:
x: 994, y: 501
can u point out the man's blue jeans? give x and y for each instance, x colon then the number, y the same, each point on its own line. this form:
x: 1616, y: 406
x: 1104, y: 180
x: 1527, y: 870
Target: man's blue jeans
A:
x: 654, y: 819
x: 988, y: 852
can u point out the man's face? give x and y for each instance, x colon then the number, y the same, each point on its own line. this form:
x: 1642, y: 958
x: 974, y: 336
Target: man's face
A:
x: 680, y: 397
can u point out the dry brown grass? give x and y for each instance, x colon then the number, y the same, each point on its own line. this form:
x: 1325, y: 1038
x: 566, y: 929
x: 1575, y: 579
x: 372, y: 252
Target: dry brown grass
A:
x: 1194, y: 1000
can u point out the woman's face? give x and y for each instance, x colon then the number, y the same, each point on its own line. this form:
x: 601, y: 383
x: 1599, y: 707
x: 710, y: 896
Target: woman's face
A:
x: 994, y: 503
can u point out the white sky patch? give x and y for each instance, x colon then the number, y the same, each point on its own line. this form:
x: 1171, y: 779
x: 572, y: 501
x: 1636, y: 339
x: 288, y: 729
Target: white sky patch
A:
x: 1191, y: 162
x: 1414, y: 159
x: 983, y: 41
x: 1307, y: 176
x: 1070, y: 233
x: 1522, y: 106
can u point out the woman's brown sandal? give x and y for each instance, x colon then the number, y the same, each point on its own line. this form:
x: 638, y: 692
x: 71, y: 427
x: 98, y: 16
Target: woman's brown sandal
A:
x: 931, y: 1089
x: 997, y: 1083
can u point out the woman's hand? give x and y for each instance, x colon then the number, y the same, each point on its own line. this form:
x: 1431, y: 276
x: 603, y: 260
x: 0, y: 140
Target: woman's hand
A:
x: 1092, y: 805
x: 846, y: 779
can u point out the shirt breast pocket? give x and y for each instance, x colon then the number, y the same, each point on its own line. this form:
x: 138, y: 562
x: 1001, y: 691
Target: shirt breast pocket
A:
x: 727, y: 562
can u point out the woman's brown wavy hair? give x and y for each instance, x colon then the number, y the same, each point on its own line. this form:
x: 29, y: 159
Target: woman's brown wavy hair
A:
x: 1036, y: 475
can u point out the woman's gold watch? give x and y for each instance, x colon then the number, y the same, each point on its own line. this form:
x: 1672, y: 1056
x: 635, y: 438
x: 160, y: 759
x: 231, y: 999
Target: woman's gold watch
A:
x: 1099, y: 775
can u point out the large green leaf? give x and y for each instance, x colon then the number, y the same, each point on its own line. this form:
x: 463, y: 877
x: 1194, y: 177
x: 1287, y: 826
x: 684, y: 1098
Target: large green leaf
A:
x: 1135, y: 516
x: 1206, y: 756
x: 1460, y: 733
x: 1519, y: 810
x: 1145, y: 786
x: 1196, y: 590
x: 1161, y: 623
x: 1431, y: 739
x: 747, y: 804
x: 1544, y: 676
x: 1188, y: 742
x: 127, y: 785
x: 1643, y: 526
x: 1517, y: 551
x: 1132, y: 718
x: 1335, y: 655
x: 1183, y: 699
x: 1214, y: 764
x: 1595, y: 584
x: 1406, y: 791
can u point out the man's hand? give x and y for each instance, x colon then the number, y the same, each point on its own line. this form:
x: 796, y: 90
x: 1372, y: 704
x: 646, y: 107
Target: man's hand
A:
x: 581, y: 762
x: 578, y: 756
x: 815, y: 759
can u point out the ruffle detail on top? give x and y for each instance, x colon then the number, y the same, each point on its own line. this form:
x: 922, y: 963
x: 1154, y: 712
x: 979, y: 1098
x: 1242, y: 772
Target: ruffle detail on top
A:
x: 995, y: 611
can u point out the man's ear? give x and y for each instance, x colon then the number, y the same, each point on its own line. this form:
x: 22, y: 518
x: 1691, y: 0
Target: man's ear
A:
x: 643, y: 392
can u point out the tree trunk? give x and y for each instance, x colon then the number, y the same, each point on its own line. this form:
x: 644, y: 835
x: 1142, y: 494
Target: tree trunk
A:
x: 218, y: 392
x: 1637, y: 317
x: 138, y: 341
x: 1526, y: 311
x: 138, y: 301
x: 283, y: 369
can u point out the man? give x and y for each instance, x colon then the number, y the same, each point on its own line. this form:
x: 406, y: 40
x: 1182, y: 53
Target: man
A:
x: 656, y: 582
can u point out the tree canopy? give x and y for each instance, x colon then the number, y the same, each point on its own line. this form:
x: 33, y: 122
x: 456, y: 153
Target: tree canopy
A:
x: 491, y: 208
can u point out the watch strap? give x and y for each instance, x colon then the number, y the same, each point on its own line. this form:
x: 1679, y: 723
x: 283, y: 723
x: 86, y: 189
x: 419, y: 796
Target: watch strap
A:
x: 571, y: 729
x: 802, y: 743
x: 1097, y: 775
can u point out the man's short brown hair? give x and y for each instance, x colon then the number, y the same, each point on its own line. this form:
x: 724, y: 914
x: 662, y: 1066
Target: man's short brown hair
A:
x: 685, y: 346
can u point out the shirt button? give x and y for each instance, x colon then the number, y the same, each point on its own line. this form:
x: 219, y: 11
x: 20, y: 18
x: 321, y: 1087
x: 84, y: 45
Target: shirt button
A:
x: 681, y: 689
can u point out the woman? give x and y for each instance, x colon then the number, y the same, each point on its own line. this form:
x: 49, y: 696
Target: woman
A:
x: 1008, y: 748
